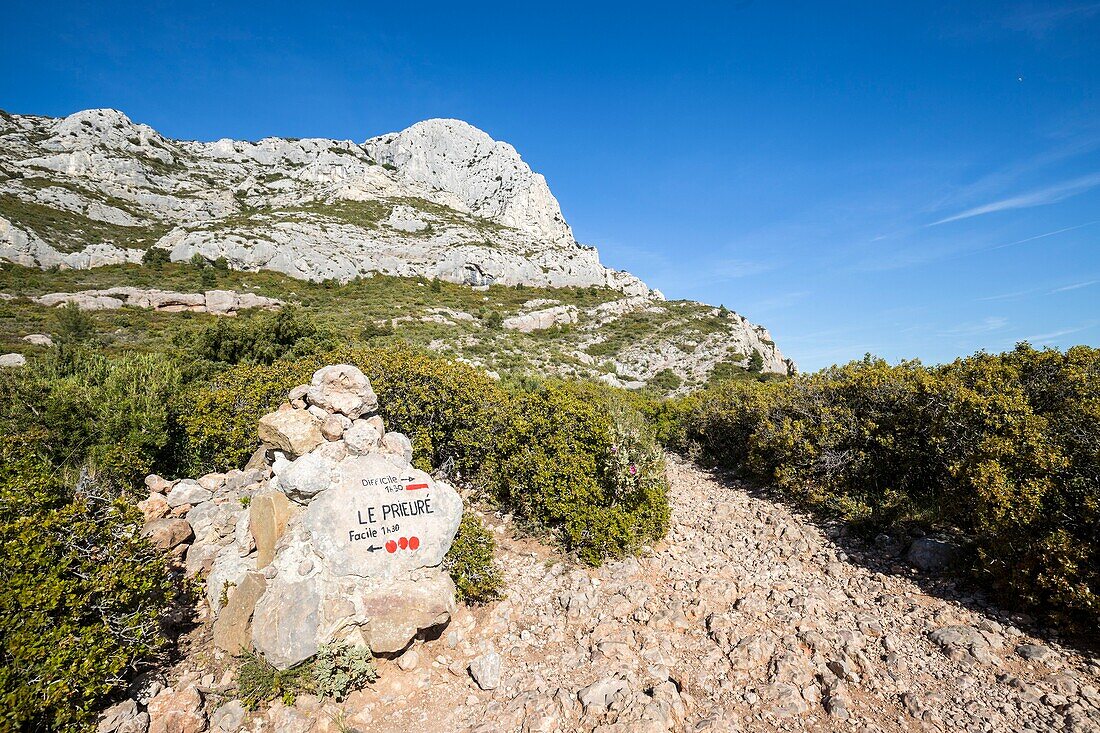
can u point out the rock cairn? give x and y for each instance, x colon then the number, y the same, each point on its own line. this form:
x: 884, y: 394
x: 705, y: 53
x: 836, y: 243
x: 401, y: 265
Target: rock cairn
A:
x: 328, y: 535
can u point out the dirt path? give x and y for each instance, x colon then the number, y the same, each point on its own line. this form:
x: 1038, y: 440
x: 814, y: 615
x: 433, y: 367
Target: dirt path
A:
x: 747, y: 618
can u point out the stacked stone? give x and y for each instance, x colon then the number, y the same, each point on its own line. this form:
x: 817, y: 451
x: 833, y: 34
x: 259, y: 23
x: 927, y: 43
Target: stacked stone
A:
x: 328, y: 534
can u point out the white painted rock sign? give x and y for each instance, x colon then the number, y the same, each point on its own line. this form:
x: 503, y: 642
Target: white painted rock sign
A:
x: 381, y: 521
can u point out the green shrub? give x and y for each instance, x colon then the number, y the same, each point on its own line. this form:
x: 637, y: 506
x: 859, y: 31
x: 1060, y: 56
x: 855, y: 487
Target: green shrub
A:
x: 448, y: 410
x: 756, y: 362
x: 83, y: 597
x: 155, y: 257
x: 336, y: 670
x: 1001, y: 449
x: 666, y: 380
x: 470, y: 562
x: 258, y: 681
x: 74, y: 326
x: 261, y: 338
x: 107, y: 414
x: 216, y: 418
x: 575, y: 461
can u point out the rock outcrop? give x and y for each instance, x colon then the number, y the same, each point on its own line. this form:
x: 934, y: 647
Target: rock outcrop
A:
x: 216, y: 302
x: 441, y: 200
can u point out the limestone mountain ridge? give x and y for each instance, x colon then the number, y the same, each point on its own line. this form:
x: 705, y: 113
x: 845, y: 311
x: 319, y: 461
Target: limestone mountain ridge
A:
x: 438, y: 200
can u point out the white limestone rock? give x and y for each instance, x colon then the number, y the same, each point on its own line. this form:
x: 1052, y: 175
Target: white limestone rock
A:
x: 379, y: 522
x: 488, y: 176
x: 452, y: 204
x: 296, y: 432
x: 38, y: 339
x: 307, y: 476
x: 343, y: 389
x: 362, y: 561
x: 188, y: 491
x: 540, y: 320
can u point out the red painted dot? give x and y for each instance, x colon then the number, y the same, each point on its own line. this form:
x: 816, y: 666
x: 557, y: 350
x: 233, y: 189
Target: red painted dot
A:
x: 391, y: 546
x: 414, y: 542
x: 403, y: 543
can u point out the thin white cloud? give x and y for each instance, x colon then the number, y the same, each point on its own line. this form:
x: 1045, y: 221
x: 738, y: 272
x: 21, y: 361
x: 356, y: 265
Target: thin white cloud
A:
x: 1042, y: 236
x: 1074, y: 286
x: 1042, y: 197
x: 1037, y: 291
x: 988, y: 324
x: 1006, y: 296
x: 1051, y: 336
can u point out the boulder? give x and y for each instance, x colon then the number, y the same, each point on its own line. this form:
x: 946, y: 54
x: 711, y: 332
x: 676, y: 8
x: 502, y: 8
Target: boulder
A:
x: 188, y: 491
x: 602, y: 694
x: 286, y: 625
x: 233, y: 627
x: 220, y: 301
x: 486, y: 671
x: 174, y: 711
x: 123, y: 717
x: 228, y: 718
x: 295, y: 432
x: 164, y: 534
x: 212, y: 481
x: 362, y: 438
x: 542, y: 319
x: 332, y: 427
x: 214, y: 521
x: 268, y: 513
x: 401, y: 610
x: 227, y: 571
x: 398, y: 444
x: 931, y: 553
x: 306, y: 476
x: 1034, y: 652
x: 157, y: 484
x: 38, y: 339
x: 360, y: 563
x: 153, y: 508
x: 342, y: 388
x: 12, y: 360
x: 379, y: 522
x: 376, y: 422
x: 200, y: 558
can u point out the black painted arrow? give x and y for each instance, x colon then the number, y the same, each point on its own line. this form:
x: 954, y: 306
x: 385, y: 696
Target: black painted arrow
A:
x: 373, y: 548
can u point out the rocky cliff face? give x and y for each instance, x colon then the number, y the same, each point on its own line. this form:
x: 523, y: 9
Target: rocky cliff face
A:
x: 440, y: 199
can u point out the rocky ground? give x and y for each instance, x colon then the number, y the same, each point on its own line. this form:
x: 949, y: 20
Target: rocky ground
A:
x: 749, y: 617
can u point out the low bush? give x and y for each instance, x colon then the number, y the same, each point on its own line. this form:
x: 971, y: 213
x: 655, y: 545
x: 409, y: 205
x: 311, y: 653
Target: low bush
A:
x: 470, y: 562
x: 215, y: 419
x: 83, y: 599
x: 1003, y: 449
x: 260, y: 338
x: 107, y: 415
x: 576, y: 461
x: 336, y: 670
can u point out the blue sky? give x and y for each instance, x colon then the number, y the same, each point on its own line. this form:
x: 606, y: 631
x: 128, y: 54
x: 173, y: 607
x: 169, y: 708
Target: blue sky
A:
x: 904, y: 179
